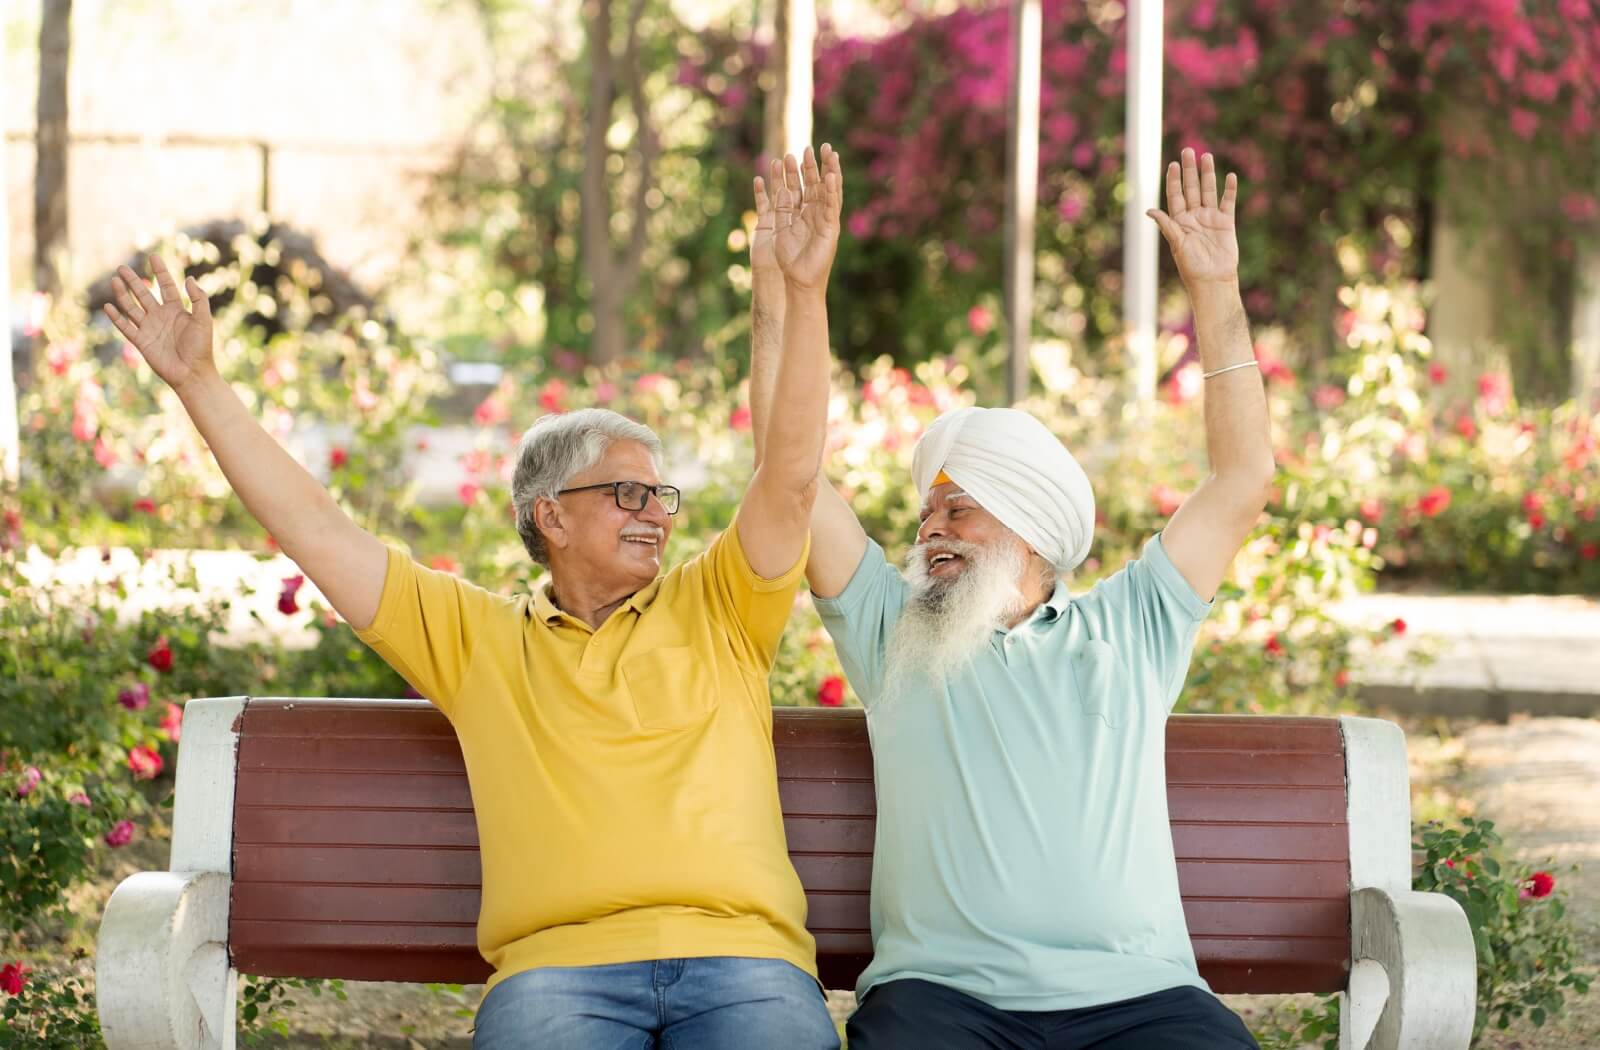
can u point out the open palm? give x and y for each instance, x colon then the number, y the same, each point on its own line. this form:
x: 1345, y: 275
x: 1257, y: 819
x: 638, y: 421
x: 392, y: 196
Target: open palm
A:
x: 175, y: 341
x: 1199, y: 229
x: 806, y: 214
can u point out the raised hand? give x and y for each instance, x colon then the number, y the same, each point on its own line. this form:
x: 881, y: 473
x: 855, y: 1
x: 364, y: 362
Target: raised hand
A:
x: 806, y: 216
x: 176, y: 342
x: 764, y: 238
x: 1199, y: 230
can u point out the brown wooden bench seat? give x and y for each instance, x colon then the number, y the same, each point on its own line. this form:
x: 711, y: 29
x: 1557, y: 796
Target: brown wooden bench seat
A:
x: 339, y: 840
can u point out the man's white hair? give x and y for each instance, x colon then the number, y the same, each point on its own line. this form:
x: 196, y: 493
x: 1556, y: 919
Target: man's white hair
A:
x: 556, y: 449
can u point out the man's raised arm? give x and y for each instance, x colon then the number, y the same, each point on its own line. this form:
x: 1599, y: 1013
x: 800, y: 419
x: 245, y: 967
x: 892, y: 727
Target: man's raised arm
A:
x: 837, y: 539
x: 1209, y: 528
x: 345, y: 562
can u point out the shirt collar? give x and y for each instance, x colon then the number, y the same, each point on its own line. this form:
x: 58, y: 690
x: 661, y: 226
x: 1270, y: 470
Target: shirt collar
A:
x: 548, y: 612
x: 1055, y: 606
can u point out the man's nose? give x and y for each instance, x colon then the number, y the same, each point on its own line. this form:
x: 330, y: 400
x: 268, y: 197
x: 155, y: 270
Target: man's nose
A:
x: 931, y: 529
x: 653, y: 511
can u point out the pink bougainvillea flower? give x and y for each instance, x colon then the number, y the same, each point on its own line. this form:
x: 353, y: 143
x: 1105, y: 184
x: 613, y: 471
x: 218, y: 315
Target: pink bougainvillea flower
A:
x: 1494, y: 392
x: 288, y: 602
x: 831, y: 692
x: 160, y: 655
x: 740, y: 418
x: 1539, y: 884
x: 172, y: 722
x: 145, y: 762
x: 468, y: 493
x: 1466, y: 427
x: 1434, y: 502
x: 338, y: 457
x: 604, y: 392
x: 145, y: 506
x: 13, y: 976
x: 647, y: 383
x: 120, y: 834
x: 136, y: 697
x: 78, y: 798
x: 1371, y: 511
x: 1327, y: 398
x: 1166, y: 499
x: 28, y: 781
x: 1437, y: 374
x: 553, y: 398
x: 980, y: 319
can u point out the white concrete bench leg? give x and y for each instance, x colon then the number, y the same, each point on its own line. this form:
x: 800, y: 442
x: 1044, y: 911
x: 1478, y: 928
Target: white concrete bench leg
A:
x: 1414, y: 986
x: 161, y: 968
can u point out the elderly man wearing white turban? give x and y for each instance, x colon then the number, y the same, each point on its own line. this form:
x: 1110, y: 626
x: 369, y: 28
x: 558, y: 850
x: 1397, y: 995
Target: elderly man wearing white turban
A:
x: 1024, y: 888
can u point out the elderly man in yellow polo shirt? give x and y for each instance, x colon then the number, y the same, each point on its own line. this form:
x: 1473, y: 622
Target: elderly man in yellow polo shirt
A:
x: 616, y: 725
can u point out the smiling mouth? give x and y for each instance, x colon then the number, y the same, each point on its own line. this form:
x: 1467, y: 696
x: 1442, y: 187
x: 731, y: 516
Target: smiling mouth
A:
x: 938, y: 561
x: 643, y: 541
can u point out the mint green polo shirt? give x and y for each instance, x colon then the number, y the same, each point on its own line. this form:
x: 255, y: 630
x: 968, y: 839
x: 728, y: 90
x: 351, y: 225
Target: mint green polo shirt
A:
x: 1023, y: 853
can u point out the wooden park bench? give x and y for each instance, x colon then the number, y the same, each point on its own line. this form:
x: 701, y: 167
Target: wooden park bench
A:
x: 335, y: 838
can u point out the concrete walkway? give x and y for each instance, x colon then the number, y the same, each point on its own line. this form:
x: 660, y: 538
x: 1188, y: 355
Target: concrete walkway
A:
x: 1494, y: 654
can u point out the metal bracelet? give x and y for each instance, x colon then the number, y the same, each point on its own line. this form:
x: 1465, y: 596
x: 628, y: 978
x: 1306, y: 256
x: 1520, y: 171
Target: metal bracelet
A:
x: 1242, y: 364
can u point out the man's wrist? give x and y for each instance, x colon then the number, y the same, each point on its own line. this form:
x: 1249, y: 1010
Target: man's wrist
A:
x: 806, y: 296
x: 1215, y: 297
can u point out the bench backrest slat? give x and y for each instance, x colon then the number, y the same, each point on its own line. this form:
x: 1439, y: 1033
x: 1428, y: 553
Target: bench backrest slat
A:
x: 355, y: 852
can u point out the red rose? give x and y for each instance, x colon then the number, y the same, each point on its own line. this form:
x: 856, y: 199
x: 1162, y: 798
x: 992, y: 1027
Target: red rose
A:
x: 1539, y: 884
x: 1167, y: 500
x: 980, y: 320
x: 288, y: 603
x: 136, y: 697
x: 13, y: 976
x: 831, y: 692
x: 145, y: 506
x: 1341, y: 679
x: 1589, y: 551
x: 338, y: 457
x: 172, y: 722
x: 145, y: 762
x: 1434, y: 502
x: 1274, y: 647
x: 553, y: 398
x: 1494, y: 391
x: 1398, y: 626
x: 160, y: 656
x: 120, y: 835
x: 1437, y: 374
x: 1466, y: 427
x: 1371, y: 511
x: 468, y: 493
x: 740, y: 420
x: 445, y: 563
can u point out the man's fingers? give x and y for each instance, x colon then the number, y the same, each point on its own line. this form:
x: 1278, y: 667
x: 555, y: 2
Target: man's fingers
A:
x: 140, y: 290
x: 124, y: 298
x: 1208, y: 181
x: 1191, y: 180
x: 813, y: 176
x: 197, y: 296
x: 164, y: 281
x: 1230, y: 193
x: 1169, y: 229
x: 1174, y: 190
x: 791, y: 175
x: 835, y: 190
x: 128, y: 329
x: 763, y: 205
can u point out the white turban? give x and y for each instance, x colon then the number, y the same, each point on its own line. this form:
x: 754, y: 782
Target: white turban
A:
x: 1016, y: 469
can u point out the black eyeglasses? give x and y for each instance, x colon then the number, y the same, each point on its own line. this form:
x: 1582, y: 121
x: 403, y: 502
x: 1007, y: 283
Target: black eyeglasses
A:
x: 633, y: 495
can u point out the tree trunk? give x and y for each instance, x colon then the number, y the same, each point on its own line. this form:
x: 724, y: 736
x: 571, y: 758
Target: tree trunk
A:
x: 50, y: 171
x: 611, y: 271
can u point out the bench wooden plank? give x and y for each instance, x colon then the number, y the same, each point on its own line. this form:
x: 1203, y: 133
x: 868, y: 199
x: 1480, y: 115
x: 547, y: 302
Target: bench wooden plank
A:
x: 355, y: 848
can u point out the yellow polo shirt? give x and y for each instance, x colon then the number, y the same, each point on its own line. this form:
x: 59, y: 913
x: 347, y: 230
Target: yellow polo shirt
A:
x: 623, y: 779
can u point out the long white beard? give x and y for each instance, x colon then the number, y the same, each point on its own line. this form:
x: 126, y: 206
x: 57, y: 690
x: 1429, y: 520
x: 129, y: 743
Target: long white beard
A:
x: 947, y: 621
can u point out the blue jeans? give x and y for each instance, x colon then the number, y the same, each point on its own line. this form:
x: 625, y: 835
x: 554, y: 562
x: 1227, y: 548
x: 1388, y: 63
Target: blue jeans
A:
x: 670, y: 1004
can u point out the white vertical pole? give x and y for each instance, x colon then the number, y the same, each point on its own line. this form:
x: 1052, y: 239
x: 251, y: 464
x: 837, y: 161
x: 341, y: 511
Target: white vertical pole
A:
x: 1022, y: 193
x: 1142, y: 136
x: 800, y: 42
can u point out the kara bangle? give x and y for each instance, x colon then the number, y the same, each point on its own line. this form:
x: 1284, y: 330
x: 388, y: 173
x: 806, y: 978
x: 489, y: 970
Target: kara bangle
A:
x: 1242, y: 364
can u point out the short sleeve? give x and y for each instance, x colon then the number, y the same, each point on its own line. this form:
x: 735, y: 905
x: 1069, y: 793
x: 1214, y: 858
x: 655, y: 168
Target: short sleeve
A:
x: 426, y: 625
x: 757, y: 608
x: 1150, y: 613
x: 861, y: 618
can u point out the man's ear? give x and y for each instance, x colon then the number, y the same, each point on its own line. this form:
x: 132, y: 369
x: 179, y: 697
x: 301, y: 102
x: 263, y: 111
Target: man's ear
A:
x: 549, y: 520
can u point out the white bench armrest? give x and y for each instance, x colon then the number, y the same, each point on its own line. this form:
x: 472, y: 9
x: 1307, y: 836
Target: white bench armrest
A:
x: 1414, y: 982
x: 161, y: 965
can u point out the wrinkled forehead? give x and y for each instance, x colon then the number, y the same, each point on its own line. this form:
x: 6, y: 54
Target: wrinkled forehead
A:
x: 949, y: 494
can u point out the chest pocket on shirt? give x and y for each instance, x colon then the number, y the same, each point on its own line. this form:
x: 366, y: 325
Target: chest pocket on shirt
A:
x: 669, y: 689
x: 1094, y: 673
